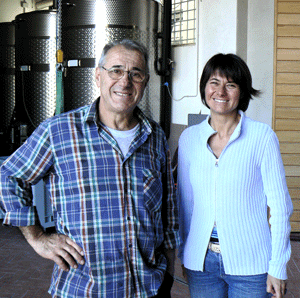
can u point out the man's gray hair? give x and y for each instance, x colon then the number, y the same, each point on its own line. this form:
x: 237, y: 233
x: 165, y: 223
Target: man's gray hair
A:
x: 127, y: 44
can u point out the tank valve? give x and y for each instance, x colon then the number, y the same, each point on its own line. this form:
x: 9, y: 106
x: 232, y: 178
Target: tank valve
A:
x: 59, y: 56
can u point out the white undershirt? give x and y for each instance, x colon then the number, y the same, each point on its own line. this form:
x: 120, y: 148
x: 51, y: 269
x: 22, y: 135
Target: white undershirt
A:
x: 124, y: 137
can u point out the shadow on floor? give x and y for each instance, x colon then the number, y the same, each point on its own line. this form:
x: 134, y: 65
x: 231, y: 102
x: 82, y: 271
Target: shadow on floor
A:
x: 24, y: 274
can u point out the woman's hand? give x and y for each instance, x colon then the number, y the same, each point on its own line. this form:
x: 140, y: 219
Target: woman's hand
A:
x: 276, y: 286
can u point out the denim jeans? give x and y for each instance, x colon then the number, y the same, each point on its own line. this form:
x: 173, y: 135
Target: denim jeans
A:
x: 214, y: 283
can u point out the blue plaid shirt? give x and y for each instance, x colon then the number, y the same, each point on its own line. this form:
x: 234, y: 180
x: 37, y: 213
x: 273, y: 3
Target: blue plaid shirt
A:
x: 121, y: 210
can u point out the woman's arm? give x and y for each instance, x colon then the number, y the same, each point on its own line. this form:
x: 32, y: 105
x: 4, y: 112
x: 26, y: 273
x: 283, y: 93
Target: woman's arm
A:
x: 279, y: 201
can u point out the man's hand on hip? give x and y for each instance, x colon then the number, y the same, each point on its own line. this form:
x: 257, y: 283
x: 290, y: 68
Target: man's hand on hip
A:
x: 56, y: 247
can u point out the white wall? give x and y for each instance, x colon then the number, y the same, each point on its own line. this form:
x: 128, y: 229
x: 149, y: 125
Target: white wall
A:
x: 261, y: 57
x: 238, y: 26
x: 9, y: 9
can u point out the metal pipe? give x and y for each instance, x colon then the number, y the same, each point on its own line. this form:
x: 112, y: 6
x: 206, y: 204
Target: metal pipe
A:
x: 166, y: 64
x: 43, y: 4
x: 55, y: 4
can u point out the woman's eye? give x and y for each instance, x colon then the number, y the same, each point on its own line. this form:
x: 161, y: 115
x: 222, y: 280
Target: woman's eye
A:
x: 231, y: 86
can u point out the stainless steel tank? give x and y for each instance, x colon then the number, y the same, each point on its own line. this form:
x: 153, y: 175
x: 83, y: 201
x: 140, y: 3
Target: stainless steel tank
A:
x: 87, y: 25
x: 35, y: 67
x: 7, y: 75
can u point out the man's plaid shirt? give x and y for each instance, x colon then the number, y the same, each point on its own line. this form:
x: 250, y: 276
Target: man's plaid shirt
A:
x: 121, y: 210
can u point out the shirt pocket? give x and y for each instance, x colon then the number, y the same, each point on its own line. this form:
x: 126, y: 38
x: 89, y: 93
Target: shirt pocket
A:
x: 153, y: 194
x: 153, y: 190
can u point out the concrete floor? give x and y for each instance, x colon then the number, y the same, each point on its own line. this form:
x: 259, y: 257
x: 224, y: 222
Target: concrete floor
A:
x: 24, y: 274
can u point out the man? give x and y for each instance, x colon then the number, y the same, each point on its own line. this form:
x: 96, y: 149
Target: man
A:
x: 108, y: 170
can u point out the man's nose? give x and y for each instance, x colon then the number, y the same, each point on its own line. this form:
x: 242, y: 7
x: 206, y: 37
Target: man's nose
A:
x: 126, y: 79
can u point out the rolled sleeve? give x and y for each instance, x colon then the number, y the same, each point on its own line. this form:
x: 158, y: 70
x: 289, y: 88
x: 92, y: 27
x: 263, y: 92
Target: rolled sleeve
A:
x: 16, y: 199
x: 25, y: 216
x: 171, y: 232
x: 23, y: 168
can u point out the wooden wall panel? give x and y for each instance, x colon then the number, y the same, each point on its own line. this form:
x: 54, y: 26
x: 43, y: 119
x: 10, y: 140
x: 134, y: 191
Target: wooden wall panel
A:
x: 295, y: 193
x: 285, y: 30
x: 288, y: 7
x: 288, y: 19
x: 296, y: 216
x: 292, y: 171
x: 288, y: 42
x: 289, y: 54
x: 288, y: 78
x: 287, y: 113
x: 293, y: 182
x: 287, y: 101
x: 290, y: 148
x: 288, y: 66
x: 291, y: 159
x: 288, y: 136
x: 288, y: 89
x: 297, y: 206
x: 286, y: 108
x: 287, y: 124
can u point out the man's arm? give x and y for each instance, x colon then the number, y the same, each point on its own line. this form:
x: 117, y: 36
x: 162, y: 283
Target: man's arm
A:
x: 56, y: 247
x: 165, y: 288
x: 170, y: 256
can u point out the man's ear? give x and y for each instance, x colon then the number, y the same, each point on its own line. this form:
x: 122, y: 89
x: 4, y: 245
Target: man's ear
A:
x: 97, y: 76
x: 147, y: 80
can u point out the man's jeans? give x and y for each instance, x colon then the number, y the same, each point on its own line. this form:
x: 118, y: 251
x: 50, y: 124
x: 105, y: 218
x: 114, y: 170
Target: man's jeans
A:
x: 214, y: 283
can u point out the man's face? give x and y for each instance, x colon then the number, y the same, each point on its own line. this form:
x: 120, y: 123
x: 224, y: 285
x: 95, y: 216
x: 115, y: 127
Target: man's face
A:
x: 120, y: 96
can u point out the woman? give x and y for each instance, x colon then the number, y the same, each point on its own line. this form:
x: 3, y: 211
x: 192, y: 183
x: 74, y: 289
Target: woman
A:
x: 229, y: 171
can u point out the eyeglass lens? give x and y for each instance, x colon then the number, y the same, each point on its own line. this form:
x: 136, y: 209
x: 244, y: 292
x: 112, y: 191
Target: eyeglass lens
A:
x: 117, y: 73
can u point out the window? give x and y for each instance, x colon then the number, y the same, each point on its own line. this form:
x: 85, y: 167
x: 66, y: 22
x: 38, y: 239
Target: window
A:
x: 183, y: 22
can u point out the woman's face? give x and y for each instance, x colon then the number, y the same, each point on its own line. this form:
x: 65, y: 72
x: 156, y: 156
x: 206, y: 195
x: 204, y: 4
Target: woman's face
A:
x: 222, y: 95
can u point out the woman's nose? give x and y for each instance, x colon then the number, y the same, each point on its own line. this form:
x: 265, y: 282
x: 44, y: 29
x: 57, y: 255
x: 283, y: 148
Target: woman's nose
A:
x: 221, y: 90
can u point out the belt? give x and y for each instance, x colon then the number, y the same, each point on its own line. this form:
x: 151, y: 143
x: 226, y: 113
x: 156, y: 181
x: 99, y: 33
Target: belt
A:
x: 214, y: 247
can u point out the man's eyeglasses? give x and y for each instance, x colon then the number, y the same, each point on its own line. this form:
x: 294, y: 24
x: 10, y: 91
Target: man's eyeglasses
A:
x: 116, y: 73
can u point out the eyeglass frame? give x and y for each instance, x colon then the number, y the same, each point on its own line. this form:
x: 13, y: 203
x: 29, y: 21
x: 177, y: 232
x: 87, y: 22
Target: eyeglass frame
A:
x: 128, y: 71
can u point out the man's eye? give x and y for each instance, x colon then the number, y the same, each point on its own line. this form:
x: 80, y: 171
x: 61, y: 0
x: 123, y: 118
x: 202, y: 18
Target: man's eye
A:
x: 116, y: 71
x: 136, y: 74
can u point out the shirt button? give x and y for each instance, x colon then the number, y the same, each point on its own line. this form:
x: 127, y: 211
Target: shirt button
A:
x: 128, y: 218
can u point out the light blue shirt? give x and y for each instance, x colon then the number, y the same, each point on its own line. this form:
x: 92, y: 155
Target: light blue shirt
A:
x: 234, y: 191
